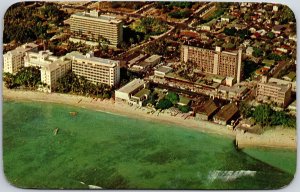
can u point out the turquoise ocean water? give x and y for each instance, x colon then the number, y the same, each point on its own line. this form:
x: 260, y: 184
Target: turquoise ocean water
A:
x: 117, y: 152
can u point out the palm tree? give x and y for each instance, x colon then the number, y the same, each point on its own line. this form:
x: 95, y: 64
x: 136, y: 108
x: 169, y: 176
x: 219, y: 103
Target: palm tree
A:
x: 138, y: 37
x: 131, y: 40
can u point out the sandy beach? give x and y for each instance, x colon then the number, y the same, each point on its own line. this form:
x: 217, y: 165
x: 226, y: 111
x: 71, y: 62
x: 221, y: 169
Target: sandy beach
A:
x: 275, y: 138
x: 278, y: 138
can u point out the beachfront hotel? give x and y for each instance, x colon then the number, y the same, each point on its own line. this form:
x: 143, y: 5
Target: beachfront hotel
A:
x: 268, y: 91
x: 95, y: 69
x: 134, y: 92
x: 224, y: 63
x: 92, y: 26
x: 50, y: 73
x: 39, y: 59
x: 52, y: 68
x: 14, y: 60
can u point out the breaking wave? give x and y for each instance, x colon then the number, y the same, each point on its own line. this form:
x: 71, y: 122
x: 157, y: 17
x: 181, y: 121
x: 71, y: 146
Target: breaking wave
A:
x: 229, y: 175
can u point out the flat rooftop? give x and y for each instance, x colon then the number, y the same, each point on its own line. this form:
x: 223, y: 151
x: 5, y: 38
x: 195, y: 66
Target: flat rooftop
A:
x: 183, y: 100
x: 236, y: 88
x: 279, y: 83
x: 23, y: 48
x: 56, y: 64
x: 152, y: 58
x: 283, y: 88
x: 142, y: 92
x: 206, y: 48
x: 164, y: 69
x: 97, y: 16
x: 78, y: 55
x: 268, y: 62
x: 132, y: 85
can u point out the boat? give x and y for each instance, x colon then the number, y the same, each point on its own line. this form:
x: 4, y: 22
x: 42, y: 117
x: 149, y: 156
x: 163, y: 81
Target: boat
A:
x: 94, y: 187
x: 73, y: 113
x: 55, y: 131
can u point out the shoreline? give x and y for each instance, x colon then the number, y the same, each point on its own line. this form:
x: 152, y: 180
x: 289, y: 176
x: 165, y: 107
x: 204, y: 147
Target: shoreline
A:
x: 275, y: 140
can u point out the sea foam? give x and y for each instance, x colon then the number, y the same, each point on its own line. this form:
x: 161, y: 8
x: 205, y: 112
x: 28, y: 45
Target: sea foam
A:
x: 229, y: 175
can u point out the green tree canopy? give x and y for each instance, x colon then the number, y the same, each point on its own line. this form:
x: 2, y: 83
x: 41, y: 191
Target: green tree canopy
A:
x: 164, y: 104
x: 245, y: 109
x: 184, y: 109
x: 271, y: 35
x: 230, y: 31
x: 180, y: 14
x: 262, y: 114
x: 150, y: 25
x: 173, y: 97
x: 152, y: 98
x: 70, y: 83
x: 28, y: 77
x: 265, y: 115
x: 257, y: 52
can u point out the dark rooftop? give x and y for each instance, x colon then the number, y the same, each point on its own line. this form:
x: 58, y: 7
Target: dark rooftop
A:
x: 227, y: 112
x: 207, y: 108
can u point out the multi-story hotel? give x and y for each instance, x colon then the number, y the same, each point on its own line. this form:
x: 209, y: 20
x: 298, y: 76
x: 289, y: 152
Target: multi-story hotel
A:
x: 50, y: 73
x: 95, y: 69
x: 51, y: 67
x: 273, y: 92
x: 92, y: 26
x: 218, y: 62
x: 14, y: 60
x: 39, y: 59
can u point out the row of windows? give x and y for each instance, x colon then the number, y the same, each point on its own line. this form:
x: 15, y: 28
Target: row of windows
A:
x: 86, y: 30
x: 91, y: 71
x: 93, y: 26
x: 92, y: 23
x: 91, y: 68
x: 91, y: 75
x: 103, y: 70
x: 270, y: 94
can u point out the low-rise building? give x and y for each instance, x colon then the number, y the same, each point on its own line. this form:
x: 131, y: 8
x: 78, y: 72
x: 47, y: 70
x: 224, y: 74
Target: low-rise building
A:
x: 14, y: 60
x: 234, y: 92
x: 271, y: 91
x: 125, y: 93
x: 153, y: 60
x: 147, y: 63
x: 162, y: 71
x: 284, y: 82
x: 290, y: 77
x: 183, y: 101
x: 293, y: 107
x: 208, y: 26
x: 248, y: 125
x: 226, y: 114
x: 140, y: 97
x: 268, y: 63
x: 206, y: 111
x: 137, y: 59
x: 249, y: 51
